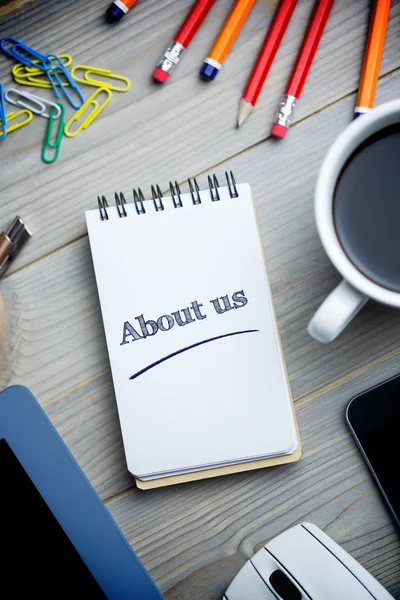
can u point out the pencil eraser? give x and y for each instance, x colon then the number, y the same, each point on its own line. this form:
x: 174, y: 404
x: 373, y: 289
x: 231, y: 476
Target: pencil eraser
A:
x: 208, y: 72
x: 278, y: 131
x: 160, y: 75
x: 114, y: 14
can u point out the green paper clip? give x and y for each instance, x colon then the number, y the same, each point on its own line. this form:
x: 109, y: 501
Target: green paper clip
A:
x: 47, y: 143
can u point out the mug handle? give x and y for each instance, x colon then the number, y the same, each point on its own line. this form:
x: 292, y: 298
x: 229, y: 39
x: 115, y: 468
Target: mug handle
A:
x: 336, y: 312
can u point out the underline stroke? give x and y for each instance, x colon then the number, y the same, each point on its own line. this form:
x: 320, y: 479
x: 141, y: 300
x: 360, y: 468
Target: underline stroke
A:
x: 161, y: 360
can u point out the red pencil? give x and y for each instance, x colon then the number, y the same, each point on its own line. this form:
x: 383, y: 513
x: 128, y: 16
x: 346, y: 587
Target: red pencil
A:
x: 264, y: 60
x: 172, y: 54
x: 301, y: 67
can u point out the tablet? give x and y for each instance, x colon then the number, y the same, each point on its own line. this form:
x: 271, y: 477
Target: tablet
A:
x: 57, y: 538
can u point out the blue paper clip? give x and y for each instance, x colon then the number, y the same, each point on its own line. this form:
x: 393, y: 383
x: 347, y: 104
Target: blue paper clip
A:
x: 29, y: 55
x: 54, y: 76
x: 3, y: 115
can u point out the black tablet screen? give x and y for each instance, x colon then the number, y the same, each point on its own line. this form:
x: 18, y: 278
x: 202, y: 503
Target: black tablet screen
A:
x: 37, y: 558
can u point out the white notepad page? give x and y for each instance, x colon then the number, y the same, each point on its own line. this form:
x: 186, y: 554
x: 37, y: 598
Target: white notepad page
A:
x: 210, y: 392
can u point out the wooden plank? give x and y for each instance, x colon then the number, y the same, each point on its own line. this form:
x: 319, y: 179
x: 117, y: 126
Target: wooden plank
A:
x: 154, y: 133
x: 193, y: 538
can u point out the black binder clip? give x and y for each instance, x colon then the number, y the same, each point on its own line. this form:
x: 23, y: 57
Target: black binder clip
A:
x: 11, y: 242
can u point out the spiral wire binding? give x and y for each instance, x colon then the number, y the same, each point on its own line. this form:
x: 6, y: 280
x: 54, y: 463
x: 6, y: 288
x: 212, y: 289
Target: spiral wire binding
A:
x: 138, y: 199
x: 120, y: 204
x: 231, y: 182
x: 103, y: 205
x: 175, y: 194
x: 213, y: 185
x: 158, y: 198
x: 194, y: 191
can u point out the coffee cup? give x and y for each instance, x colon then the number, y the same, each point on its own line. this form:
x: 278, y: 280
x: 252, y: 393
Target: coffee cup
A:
x: 345, y: 240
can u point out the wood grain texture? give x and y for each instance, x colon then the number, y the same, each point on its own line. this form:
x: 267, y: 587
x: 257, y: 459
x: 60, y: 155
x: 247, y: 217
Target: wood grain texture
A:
x: 174, y: 131
x: 193, y: 538
x: 58, y: 325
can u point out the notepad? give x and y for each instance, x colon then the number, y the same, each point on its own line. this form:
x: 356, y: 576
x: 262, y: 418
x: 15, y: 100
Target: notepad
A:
x: 196, y: 360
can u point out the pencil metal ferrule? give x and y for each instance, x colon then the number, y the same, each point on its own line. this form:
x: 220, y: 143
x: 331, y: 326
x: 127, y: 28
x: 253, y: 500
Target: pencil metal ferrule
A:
x: 285, y: 110
x: 11, y: 242
x: 171, y: 57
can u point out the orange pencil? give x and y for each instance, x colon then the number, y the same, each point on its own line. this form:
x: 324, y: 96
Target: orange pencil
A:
x: 224, y: 41
x: 372, y: 57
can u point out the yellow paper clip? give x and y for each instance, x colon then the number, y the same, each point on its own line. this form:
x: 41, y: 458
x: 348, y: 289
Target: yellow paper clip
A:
x: 12, y: 116
x: 103, y: 73
x: 40, y: 80
x: 36, y: 77
x: 90, y: 102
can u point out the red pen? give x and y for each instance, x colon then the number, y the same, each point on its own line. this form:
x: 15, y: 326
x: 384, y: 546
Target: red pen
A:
x: 264, y: 60
x: 172, y: 54
x: 301, y: 68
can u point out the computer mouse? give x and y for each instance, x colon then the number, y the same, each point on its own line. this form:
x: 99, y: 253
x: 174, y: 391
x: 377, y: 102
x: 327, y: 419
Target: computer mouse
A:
x: 303, y: 563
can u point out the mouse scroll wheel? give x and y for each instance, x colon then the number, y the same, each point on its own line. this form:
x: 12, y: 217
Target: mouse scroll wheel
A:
x: 285, y: 588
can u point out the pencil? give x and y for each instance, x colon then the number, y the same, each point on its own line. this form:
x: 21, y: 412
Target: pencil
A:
x: 372, y: 57
x: 225, y: 39
x: 118, y: 9
x: 264, y: 60
x: 182, y: 39
x: 301, y: 68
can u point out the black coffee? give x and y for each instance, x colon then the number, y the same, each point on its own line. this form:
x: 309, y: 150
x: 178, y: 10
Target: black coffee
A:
x: 366, y: 208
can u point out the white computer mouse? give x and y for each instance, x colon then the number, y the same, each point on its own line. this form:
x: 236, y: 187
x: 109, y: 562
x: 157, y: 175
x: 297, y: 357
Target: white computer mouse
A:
x: 303, y: 563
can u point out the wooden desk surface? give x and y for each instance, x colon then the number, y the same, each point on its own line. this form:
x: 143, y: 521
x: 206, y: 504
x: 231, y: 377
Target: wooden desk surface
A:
x: 193, y: 538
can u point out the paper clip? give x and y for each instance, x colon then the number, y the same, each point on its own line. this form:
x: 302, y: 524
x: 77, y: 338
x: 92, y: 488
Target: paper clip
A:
x: 29, y: 56
x: 3, y: 116
x: 12, y: 116
x: 90, y: 102
x: 65, y: 59
x: 54, y: 77
x: 47, y: 143
x: 104, y: 73
x: 38, y: 79
x: 33, y: 76
x: 36, y: 104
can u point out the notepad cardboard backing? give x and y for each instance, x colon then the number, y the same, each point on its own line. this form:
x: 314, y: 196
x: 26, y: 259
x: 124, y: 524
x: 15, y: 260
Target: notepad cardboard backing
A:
x: 229, y: 470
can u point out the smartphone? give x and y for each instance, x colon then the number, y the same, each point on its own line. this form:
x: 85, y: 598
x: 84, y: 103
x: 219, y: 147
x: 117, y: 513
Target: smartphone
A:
x: 374, y: 420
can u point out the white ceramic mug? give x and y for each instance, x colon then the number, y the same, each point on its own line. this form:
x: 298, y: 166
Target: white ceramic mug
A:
x: 352, y: 293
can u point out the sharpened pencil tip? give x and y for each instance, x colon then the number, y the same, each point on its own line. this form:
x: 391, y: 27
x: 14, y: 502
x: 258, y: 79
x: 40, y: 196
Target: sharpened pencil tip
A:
x: 245, y: 109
